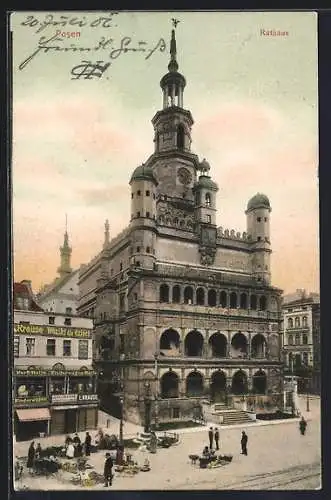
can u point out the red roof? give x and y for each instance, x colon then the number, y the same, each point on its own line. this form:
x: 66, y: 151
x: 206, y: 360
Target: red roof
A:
x: 21, y: 290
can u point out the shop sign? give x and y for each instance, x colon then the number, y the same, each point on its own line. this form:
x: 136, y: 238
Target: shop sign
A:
x: 63, y: 398
x: 41, y: 372
x: 52, y: 331
x: 31, y: 399
x: 88, y: 397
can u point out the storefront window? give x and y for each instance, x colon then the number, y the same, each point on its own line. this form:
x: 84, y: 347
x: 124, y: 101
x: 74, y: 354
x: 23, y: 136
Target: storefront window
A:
x: 30, y: 387
x: 57, y: 386
x: 30, y: 344
x: 50, y: 348
x: 80, y: 385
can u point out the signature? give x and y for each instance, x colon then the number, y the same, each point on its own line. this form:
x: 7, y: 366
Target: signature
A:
x: 89, y: 70
x: 49, y: 20
x: 55, y: 44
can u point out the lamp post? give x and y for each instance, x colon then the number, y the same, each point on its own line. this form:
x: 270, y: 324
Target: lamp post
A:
x: 307, y: 401
x: 121, y: 420
x: 147, y: 400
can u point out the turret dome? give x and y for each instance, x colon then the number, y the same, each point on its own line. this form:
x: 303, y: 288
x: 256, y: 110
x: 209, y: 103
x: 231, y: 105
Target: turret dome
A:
x: 260, y: 200
x: 206, y: 182
x: 143, y: 172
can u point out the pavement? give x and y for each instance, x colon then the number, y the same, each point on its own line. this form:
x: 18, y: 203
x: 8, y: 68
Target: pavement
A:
x: 279, y: 457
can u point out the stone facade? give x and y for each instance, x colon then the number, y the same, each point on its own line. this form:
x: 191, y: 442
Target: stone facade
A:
x: 183, y: 309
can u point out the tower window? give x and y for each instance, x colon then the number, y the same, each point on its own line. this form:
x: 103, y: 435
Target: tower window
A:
x: 147, y: 214
x: 138, y: 249
x: 209, y: 219
x: 137, y: 263
x: 259, y: 238
x: 180, y: 136
x: 138, y: 193
x: 138, y: 214
x: 259, y: 219
x: 148, y: 249
x: 121, y: 266
x: 153, y: 196
x: 265, y: 219
x: 148, y: 193
x: 208, y: 199
x: 132, y: 195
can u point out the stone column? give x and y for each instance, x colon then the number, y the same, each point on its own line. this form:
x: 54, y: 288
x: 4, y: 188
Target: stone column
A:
x: 173, y: 93
x: 180, y: 97
x: 206, y: 345
x: 228, y: 347
x: 182, y: 384
x: 249, y: 345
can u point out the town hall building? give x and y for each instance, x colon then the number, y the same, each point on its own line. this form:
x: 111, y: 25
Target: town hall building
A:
x: 184, y: 311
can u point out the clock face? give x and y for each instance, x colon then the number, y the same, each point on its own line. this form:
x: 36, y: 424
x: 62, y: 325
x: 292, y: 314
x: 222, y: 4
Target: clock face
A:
x: 184, y: 175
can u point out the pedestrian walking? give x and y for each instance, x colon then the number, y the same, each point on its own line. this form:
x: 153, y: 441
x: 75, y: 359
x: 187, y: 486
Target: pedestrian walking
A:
x: 302, y: 426
x: 244, y: 441
x: 211, y: 437
x: 88, y: 441
x: 31, y: 456
x: 108, y: 473
x: 217, y: 439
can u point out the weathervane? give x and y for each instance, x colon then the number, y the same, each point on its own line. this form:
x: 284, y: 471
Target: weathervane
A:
x: 175, y: 22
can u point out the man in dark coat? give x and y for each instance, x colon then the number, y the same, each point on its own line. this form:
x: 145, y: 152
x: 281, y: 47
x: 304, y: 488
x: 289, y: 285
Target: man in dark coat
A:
x: 31, y: 456
x: 211, y: 438
x: 88, y: 441
x: 107, y: 472
x: 76, y: 439
x: 244, y: 440
x: 302, y: 426
x: 217, y: 438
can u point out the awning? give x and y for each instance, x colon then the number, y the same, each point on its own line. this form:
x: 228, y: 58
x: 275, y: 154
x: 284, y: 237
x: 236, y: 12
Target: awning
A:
x: 67, y: 407
x: 33, y: 414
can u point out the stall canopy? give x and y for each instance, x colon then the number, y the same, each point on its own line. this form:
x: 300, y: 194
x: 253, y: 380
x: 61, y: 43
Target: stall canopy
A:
x: 33, y: 414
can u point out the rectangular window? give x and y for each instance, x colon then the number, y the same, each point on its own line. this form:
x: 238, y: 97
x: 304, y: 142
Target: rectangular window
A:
x: 138, y: 214
x: 50, y: 347
x: 147, y: 214
x: 209, y: 219
x: 51, y: 320
x: 304, y: 339
x: 30, y: 343
x: 138, y: 193
x: 148, y: 193
x: 16, y: 346
x: 122, y: 343
x: 67, y: 348
x: 83, y: 349
x: 175, y: 413
x: 67, y: 321
x: 68, y: 310
x: 259, y: 219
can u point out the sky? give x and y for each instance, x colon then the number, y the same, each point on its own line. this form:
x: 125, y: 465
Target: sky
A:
x: 76, y: 141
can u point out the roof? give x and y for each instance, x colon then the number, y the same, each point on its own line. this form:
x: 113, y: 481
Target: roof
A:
x: 143, y: 172
x: 259, y: 200
x: 206, y: 182
x: 55, y: 285
x: 22, y: 291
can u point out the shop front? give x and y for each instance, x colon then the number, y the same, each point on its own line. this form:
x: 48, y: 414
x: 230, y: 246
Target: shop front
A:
x: 31, y: 423
x: 73, y: 418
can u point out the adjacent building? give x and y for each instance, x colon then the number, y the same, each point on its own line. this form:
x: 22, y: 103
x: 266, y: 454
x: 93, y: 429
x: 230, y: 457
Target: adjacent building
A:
x: 301, y: 339
x: 61, y: 295
x: 184, y: 310
x: 54, y: 384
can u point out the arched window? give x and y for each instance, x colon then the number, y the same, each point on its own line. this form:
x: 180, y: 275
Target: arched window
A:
x: 239, y: 346
x: 212, y: 298
x: 194, y: 384
x: 263, y: 303
x: 259, y: 382
x: 218, y: 345
x: 233, y: 300
x: 200, y: 296
x: 297, y: 339
x: 297, y: 322
x: 180, y: 136
x: 304, y: 321
x: 169, y: 340
x: 188, y: 295
x: 305, y: 339
x: 193, y: 344
x: 223, y: 299
x: 243, y: 301
x: 290, y: 340
x: 290, y: 323
x: 253, y: 302
x: 258, y: 349
x: 176, y: 294
x: 164, y: 293
x: 208, y: 199
x: 169, y: 385
x: 239, y: 383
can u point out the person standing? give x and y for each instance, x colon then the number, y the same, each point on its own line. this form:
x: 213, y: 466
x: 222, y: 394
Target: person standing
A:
x: 88, y: 441
x: 217, y: 439
x: 107, y: 472
x: 302, y: 426
x: 244, y: 441
x: 211, y: 438
x: 31, y: 456
x: 38, y: 451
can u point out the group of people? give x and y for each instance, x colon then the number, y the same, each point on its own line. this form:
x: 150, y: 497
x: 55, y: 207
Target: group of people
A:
x: 33, y: 454
x: 214, y: 435
x: 75, y: 448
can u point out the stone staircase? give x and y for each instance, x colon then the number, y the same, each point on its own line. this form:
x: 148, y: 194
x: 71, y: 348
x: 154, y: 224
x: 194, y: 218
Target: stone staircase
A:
x: 230, y: 415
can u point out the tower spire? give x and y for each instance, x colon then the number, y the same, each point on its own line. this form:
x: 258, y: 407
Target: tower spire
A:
x: 173, y: 83
x: 65, y: 253
x: 106, y: 241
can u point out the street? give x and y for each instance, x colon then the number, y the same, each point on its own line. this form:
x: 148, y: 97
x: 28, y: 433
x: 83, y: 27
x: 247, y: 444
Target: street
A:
x: 279, y: 457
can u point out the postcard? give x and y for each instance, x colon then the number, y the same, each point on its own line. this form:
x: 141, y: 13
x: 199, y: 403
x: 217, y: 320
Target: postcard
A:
x: 166, y: 257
